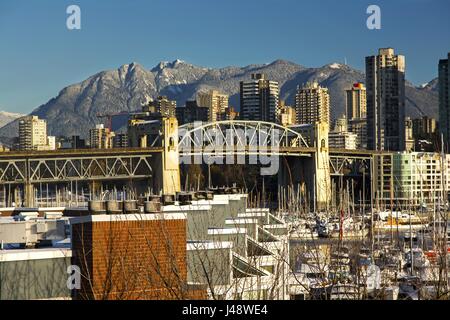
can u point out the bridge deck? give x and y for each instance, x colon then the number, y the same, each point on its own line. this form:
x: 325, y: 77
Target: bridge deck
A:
x: 77, y: 153
x: 80, y: 164
x: 68, y: 153
x: 363, y: 152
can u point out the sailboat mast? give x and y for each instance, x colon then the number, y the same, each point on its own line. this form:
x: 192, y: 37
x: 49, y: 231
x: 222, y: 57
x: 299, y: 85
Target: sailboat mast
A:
x: 372, y: 174
x: 444, y: 235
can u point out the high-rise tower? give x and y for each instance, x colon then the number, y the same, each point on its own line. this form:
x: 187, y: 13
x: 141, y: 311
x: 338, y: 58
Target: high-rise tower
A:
x: 385, y: 81
x: 259, y: 98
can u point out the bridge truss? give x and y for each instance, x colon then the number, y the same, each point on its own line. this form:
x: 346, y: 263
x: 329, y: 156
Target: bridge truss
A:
x: 239, y: 137
x: 74, y: 168
x: 351, y: 165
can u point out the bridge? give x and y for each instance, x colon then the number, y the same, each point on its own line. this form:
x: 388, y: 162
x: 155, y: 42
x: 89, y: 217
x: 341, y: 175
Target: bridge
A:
x: 240, y: 138
x: 27, y: 170
x: 306, y: 158
x: 306, y: 155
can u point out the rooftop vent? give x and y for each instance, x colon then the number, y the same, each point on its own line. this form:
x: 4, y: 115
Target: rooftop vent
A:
x: 185, y: 198
x: 97, y: 207
x: 26, y: 216
x: 168, y: 199
x: 114, y: 207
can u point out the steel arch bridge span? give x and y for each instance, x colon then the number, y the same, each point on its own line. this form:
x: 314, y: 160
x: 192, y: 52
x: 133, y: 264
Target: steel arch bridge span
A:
x: 238, y: 136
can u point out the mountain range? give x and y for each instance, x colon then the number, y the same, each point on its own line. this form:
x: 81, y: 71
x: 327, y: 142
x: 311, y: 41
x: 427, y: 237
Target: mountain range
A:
x: 7, y: 117
x: 74, y: 110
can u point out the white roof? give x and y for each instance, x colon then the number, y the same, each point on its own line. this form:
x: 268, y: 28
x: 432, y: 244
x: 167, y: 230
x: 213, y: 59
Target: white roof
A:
x: 226, y: 231
x: 240, y: 220
x: 128, y: 217
x: 237, y: 196
x: 34, y: 254
x: 210, y: 245
x: 188, y: 207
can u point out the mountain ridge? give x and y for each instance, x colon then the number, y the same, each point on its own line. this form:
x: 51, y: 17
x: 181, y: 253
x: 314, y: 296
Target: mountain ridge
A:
x: 124, y: 89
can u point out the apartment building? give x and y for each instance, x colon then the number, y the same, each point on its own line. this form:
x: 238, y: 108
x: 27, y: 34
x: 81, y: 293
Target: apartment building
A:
x: 286, y: 115
x: 259, y: 98
x: 312, y: 104
x: 411, y: 178
x: 215, y: 102
x: 236, y: 251
x: 356, y: 110
x: 385, y: 81
x: 101, y: 137
x: 161, y: 106
x: 192, y: 112
x: 340, y: 137
x: 444, y: 99
x: 33, y: 135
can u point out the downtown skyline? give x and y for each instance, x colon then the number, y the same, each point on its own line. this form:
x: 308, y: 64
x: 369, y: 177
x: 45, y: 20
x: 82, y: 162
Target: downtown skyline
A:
x: 225, y: 154
x: 43, y: 56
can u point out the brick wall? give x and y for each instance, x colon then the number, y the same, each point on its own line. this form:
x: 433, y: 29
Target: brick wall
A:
x: 136, y: 259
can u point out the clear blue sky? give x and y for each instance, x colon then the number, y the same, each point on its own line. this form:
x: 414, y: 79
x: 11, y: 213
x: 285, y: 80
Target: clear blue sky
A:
x: 39, y: 55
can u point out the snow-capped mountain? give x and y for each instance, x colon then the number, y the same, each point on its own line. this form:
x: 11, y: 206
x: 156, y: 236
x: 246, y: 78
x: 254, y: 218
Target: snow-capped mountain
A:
x: 74, y: 109
x: 432, y: 85
x: 7, y: 117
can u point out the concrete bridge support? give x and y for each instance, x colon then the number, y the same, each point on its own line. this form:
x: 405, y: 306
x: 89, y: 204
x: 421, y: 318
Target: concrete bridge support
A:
x: 311, y: 172
x: 166, y: 165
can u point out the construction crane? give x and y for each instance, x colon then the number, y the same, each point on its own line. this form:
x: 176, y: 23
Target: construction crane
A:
x: 109, y: 117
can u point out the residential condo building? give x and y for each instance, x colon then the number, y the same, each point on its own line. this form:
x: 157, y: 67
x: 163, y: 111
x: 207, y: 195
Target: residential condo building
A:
x: 411, y: 177
x: 215, y: 102
x: 409, y: 137
x: 191, y: 113
x: 312, y: 104
x: 356, y: 98
x: 385, y: 81
x: 101, y: 137
x: 356, y: 110
x: 120, y: 140
x: 259, y: 98
x: 340, y: 137
x: 444, y: 99
x: 162, y: 106
x: 424, y: 128
x: 33, y: 135
x: 229, y: 114
x: 286, y: 115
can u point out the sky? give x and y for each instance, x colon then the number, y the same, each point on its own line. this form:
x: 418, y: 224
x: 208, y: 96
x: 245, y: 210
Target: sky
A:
x: 39, y: 55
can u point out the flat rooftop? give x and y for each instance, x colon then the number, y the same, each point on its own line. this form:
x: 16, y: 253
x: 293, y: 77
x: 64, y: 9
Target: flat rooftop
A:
x: 34, y: 254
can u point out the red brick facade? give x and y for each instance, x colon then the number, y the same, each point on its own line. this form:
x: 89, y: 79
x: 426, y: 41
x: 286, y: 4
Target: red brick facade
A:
x: 133, y: 259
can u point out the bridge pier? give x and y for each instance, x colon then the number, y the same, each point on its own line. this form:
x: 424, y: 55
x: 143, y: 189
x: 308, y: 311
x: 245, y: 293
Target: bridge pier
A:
x: 322, y: 181
x: 28, y: 194
x: 166, y: 166
x: 312, y: 172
